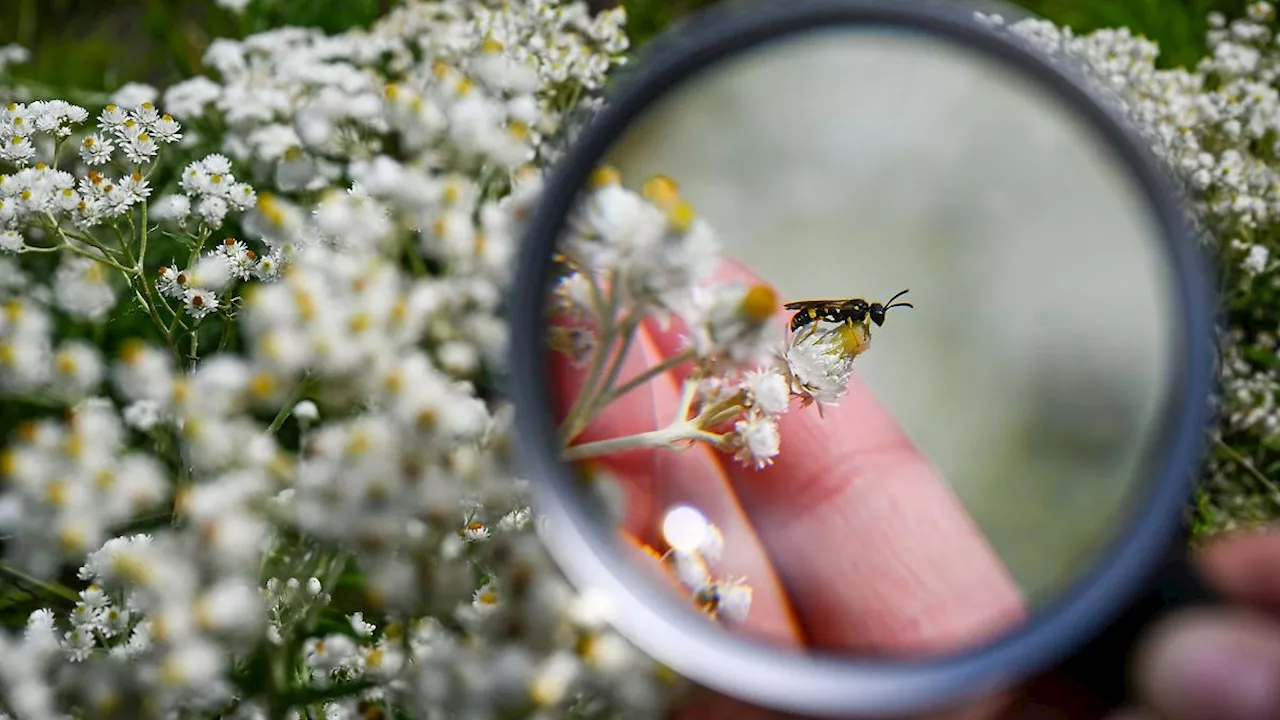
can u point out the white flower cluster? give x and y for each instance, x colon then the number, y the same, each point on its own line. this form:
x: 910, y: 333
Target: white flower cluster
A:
x: 1217, y: 126
x: 293, y: 496
x: 494, y: 79
x: 632, y: 256
x: 726, y: 599
x: 70, y: 482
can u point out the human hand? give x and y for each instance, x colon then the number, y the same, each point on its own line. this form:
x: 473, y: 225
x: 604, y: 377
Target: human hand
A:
x: 1221, y: 662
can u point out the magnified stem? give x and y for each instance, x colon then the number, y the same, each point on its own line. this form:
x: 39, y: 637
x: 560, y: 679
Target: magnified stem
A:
x: 573, y: 423
x: 579, y: 413
x: 681, y: 429
x: 680, y: 432
x: 630, y: 328
x: 669, y: 364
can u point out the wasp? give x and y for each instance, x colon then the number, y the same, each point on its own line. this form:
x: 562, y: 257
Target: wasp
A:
x: 850, y: 313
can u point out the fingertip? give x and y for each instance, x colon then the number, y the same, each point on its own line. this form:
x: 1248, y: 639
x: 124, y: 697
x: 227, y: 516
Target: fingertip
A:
x: 1211, y: 664
x: 1244, y: 565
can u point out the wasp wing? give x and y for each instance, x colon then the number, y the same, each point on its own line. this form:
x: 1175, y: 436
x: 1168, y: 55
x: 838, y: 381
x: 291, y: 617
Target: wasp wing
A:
x: 806, y: 304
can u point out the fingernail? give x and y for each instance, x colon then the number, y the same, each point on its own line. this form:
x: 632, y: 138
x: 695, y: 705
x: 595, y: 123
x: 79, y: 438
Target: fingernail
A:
x: 1217, y: 672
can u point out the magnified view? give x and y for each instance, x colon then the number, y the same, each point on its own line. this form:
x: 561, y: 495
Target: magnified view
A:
x: 864, y: 343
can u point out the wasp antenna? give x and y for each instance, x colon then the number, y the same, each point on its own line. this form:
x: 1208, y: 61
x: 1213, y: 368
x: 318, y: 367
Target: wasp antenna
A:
x: 886, y: 307
x: 895, y: 297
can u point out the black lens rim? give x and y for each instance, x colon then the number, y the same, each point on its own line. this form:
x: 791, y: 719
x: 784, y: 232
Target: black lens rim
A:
x: 816, y: 684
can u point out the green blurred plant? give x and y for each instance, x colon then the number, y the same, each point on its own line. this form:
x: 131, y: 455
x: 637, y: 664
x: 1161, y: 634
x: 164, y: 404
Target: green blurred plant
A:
x: 94, y: 46
x: 90, y: 45
x: 1178, y: 26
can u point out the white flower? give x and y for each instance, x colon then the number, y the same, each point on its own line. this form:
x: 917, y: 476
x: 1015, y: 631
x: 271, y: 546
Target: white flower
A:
x: 819, y: 366
x: 359, y: 626
x: 199, y: 302
x: 234, y: 6
x: 306, y: 411
x: 171, y: 207
x: 757, y: 440
x: 735, y: 601
x: 1256, y: 261
x: 734, y: 320
x: 11, y: 241
x: 767, y: 391
x: 230, y: 606
x: 193, y: 664
x: 474, y: 532
x: 96, y: 149
x: 83, y: 288
x: 142, y: 415
x: 691, y: 569
x: 712, y: 545
x: 552, y: 681
x: 78, y: 367
x: 212, y: 271
x: 132, y: 95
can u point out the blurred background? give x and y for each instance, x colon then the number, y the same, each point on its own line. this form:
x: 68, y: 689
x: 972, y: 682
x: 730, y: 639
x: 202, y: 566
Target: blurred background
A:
x: 91, y: 45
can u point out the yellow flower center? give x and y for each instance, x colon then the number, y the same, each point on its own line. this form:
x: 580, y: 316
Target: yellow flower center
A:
x: 759, y: 303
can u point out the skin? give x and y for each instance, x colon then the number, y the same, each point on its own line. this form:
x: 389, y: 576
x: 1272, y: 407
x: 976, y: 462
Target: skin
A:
x: 851, y: 541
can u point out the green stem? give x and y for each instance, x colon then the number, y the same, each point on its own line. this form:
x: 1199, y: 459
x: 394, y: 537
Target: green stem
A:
x: 50, y: 587
x: 1251, y: 469
x: 278, y: 421
x: 124, y: 248
x: 416, y: 264
x: 194, y: 354
x: 68, y: 235
x: 226, y: 333
x: 142, y: 245
x: 142, y: 290
x: 287, y: 408
x: 99, y: 258
x: 199, y: 246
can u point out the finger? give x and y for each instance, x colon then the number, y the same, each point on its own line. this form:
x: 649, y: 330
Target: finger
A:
x: 649, y: 492
x: 877, y: 552
x: 1203, y: 665
x: 881, y: 551
x: 1245, y: 567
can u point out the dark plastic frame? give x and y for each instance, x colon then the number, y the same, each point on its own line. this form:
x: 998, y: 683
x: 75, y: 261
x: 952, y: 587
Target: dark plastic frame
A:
x: 813, y: 683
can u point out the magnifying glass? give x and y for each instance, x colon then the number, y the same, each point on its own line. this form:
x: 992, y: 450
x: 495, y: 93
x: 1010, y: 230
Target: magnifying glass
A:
x: 861, y: 356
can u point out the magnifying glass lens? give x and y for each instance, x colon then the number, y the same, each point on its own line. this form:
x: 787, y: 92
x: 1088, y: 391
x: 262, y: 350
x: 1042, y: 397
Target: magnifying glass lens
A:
x: 862, y: 342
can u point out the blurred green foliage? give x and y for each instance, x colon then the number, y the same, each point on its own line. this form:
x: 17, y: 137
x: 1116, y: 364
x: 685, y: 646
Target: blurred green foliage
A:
x: 1177, y: 25
x: 91, y: 45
